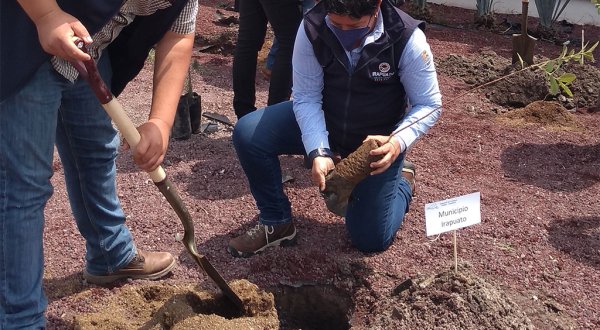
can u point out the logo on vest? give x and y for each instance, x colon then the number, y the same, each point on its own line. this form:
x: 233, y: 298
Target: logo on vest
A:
x: 384, y: 72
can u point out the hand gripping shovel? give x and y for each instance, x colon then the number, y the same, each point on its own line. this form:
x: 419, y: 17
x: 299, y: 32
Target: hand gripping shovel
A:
x: 90, y: 73
x: 523, y: 43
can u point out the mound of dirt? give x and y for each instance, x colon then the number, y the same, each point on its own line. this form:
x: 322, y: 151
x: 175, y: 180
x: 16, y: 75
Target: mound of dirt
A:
x: 162, y: 306
x: 477, y: 70
x: 449, y: 300
x: 510, y: 86
x: 585, y: 87
x: 549, y: 114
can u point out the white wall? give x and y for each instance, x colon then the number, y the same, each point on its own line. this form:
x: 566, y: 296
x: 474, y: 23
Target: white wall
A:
x: 577, y: 11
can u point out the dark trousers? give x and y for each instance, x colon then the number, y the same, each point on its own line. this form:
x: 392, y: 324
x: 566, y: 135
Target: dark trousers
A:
x: 284, y: 17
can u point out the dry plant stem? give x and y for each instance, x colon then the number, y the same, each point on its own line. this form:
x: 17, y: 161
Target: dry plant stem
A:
x: 455, y: 252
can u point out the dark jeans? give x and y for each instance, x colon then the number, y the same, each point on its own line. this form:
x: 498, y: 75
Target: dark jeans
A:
x: 284, y: 17
x: 306, y: 6
x: 48, y: 109
x: 376, y: 206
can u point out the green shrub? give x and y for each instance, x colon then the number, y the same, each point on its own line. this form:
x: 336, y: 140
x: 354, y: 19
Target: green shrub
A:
x: 550, y: 11
x: 484, y: 7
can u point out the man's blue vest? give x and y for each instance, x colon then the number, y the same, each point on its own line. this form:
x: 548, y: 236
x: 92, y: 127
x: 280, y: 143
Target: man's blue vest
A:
x: 21, y: 53
x: 369, y: 99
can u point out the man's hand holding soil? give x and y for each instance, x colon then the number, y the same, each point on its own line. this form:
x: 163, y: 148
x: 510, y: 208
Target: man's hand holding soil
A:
x: 388, y: 147
x: 321, y: 166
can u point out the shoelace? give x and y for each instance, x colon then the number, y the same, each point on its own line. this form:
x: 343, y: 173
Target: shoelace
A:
x: 269, y: 230
x: 253, y: 231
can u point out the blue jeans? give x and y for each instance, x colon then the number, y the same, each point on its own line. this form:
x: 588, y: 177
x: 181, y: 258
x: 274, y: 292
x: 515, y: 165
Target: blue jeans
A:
x: 50, y: 109
x: 377, y: 204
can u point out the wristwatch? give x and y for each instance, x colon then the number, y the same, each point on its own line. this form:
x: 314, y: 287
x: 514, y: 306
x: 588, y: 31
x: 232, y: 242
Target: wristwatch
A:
x: 319, y: 152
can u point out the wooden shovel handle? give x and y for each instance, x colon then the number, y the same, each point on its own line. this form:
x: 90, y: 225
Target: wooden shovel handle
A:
x: 115, y: 110
x: 525, y: 14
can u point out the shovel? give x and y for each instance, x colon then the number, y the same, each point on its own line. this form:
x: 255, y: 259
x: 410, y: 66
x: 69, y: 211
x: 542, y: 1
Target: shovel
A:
x: 89, y: 72
x: 523, y: 43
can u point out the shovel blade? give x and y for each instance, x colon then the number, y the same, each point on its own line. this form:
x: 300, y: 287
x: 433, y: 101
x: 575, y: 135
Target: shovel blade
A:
x: 218, y: 279
x: 170, y: 192
x: 523, y: 45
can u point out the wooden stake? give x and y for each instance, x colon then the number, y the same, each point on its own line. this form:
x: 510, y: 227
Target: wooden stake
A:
x: 455, y: 254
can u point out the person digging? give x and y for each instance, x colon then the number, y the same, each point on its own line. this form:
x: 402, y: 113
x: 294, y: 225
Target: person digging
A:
x: 363, y: 72
x: 44, y: 103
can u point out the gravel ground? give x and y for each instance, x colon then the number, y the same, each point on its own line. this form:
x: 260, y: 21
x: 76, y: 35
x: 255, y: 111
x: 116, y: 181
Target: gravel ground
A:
x: 538, y: 243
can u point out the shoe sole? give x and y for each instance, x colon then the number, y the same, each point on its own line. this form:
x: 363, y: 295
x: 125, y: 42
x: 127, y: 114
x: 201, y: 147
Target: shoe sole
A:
x: 108, y: 279
x: 285, y: 241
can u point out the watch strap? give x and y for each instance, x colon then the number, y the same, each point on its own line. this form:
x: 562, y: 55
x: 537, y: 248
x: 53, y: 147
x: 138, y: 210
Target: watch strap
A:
x: 319, y: 152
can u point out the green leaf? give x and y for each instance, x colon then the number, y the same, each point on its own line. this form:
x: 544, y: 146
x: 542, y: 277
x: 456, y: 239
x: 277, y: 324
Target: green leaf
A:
x: 567, y: 78
x: 553, y: 86
x: 549, y: 66
x: 565, y: 89
x: 593, y: 46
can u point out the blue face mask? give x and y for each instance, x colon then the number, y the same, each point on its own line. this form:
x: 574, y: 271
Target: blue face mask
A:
x: 350, y: 39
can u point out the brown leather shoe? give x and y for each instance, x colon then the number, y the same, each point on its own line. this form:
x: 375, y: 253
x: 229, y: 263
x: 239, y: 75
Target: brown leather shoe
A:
x: 261, y: 237
x: 144, y: 265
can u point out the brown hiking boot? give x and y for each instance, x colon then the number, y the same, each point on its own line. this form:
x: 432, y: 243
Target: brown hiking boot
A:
x: 261, y: 237
x: 144, y: 265
x: 410, y: 174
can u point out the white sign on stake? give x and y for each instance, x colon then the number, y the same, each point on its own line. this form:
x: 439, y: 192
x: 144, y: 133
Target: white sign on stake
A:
x: 453, y: 213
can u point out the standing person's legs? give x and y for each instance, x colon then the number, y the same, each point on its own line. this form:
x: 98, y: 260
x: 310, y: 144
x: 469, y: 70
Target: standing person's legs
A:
x: 377, y: 207
x: 285, y: 17
x: 27, y: 132
x: 251, y: 36
x: 87, y: 144
x: 259, y: 138
x: 306, y: 6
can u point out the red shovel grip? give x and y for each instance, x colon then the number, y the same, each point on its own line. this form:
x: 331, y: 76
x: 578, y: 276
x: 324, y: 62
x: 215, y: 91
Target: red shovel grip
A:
x: 89, y: 72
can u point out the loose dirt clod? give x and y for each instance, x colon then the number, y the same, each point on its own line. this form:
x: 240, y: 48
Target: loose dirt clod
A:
x: 159, y: 306
x: 356, y: 167
x: 347, y: 174
x: 547, y: 113
x: 449, y: 300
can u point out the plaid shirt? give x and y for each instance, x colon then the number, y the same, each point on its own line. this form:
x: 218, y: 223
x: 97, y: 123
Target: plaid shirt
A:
x: 184, y: 24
